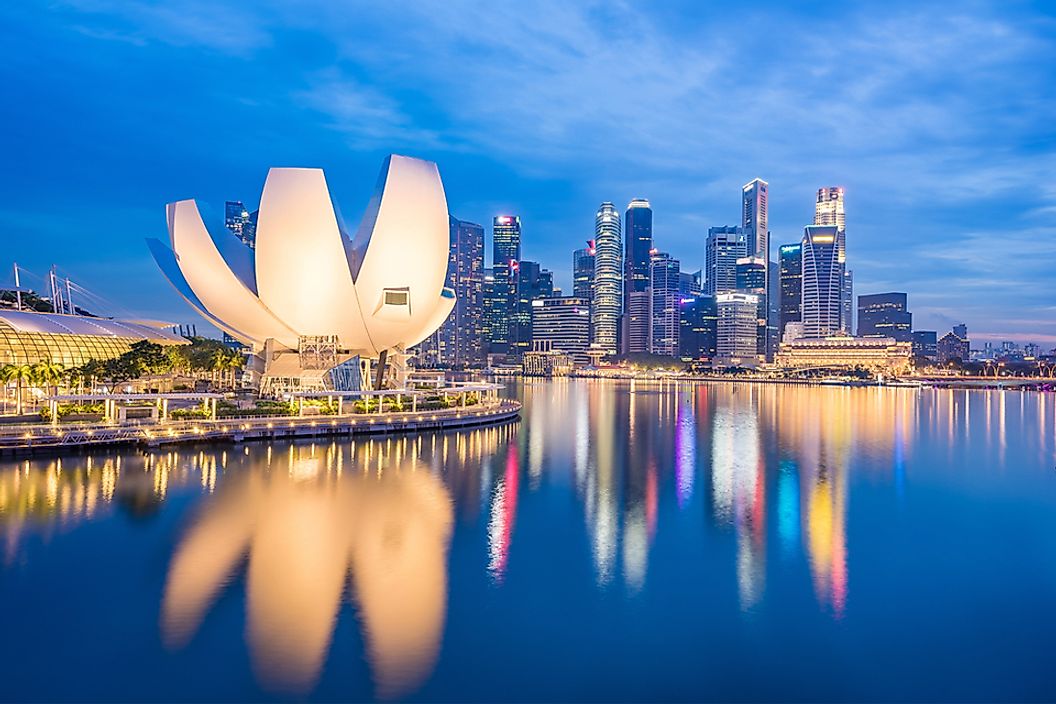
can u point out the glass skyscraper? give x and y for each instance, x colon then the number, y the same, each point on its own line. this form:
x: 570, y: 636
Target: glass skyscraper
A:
x: 829, y: 210
x: 505, y: 262
x: 790, y: 265
x: 664, y: 285
x: 607, y: 294
x: 822, y: 281
x: 698, y: 322
x: 583, y: 271
x: 533, y: 283
x: 885, y: 315
x: 460, y: 338
x: 724, y: 247
x: 638, y: 244
x: 755, y: 218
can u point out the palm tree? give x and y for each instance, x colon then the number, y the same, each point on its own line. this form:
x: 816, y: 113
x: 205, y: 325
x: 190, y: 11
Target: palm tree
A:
x: 20, y: 374
x: 217, y: 363
x: 234, y: 362
x: 47, y: 373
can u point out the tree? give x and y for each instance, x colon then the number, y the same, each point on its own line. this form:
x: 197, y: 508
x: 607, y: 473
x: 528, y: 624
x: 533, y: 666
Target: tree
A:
x: 47, y: 373
x: 20, y: 374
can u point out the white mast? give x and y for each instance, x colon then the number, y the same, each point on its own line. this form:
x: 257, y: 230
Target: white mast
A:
x: 69, y: 297
x: 18, y: 290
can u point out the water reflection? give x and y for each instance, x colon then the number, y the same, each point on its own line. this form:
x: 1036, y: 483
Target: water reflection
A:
x: 625, y: 485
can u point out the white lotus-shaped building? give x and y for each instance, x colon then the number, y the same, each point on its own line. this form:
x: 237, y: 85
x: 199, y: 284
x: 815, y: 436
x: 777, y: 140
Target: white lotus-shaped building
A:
x: 378, y: 290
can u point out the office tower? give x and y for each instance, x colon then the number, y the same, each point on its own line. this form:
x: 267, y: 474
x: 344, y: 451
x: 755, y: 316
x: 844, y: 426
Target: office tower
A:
x: 773, y: 308
x: 664, y: 283
x: 822, y: 288
x: 606, y: 302
x: 724, y: 247
x: 638, y: 243
x: 737, y: 328
x: 488, y: 299
x: 583, y: 271
x: 829, y: 210
x: 533, y: 283
x: 755, y: 218
x: 752, y: 273
x: 636, y: 328
x: 961, y: 331
x: 925, y: 344
x: 790, y: 274
x: 505, y: 260
x: 689, y: 283
x: 698, y: 328
x: 460, y: 339
x: 564, y: 323
x: 885, y: 315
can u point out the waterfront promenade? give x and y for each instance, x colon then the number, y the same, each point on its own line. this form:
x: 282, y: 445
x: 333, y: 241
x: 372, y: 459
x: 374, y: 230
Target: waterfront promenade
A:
x: 41, y: 438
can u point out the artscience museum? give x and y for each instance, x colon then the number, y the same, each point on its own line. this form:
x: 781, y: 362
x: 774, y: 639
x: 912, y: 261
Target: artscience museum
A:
x: 320, y: 307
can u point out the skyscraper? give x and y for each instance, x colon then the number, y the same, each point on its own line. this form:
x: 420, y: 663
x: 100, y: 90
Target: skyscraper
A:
x: 583, y: 271
x: 885, y: 315
x: 505, y: 259
x: 461, y: 341
x: 737, y: 328
x: 925, y: 344
x: 606, y: 304
x: 239, y: 221
x: 533, y: 283
x: 698, y: 322
x: 689, y: 283
x: 638, y: 243
x: 664, y: 282
x: 752, y: 275
x: 822, y: 281
x: 755, y: 218
x: 790, y: 265
x: 724, y: 247
x: 829, y: 210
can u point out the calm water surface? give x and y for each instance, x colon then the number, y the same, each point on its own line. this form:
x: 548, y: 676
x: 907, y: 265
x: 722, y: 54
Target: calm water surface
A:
x: 719, y: 542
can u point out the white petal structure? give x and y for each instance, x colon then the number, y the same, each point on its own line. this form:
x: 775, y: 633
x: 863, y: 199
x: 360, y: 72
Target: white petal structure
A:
x: 383, y: 289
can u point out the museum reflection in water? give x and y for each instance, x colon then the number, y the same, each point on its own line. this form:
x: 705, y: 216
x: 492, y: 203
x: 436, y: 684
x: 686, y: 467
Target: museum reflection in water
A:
x: 303, y: 525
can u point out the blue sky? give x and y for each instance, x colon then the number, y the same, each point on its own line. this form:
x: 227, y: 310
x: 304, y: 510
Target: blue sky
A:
x: 938, y: 119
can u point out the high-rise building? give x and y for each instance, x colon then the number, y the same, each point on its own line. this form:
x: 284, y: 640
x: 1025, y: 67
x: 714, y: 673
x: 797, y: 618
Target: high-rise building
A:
x: 505, y: 260
x: 952, y: 346
x: 564, y: 323
x: 606, y: 303
x: 829, y: 210
x: 533, y: 283
x: 961, y: 331
x: 724, y: 247
x: 773, y: 308
x: 737, y: 328
x: 755, y: 218
x: 638, y: 243
x: 490, y: 309
x: 925, y: 344
x: 885, y: 315
x: 460, y: 338
x: 664, y: 284
x: 583, y: 271
x: 752, y: 273
x: 637, y: 331
x: 689, y: 283
x: 790, y: 287
x: 822, y: 281
x: 698, y: 323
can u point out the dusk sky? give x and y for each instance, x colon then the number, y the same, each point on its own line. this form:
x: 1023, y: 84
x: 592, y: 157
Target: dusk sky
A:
x: 938, y: 119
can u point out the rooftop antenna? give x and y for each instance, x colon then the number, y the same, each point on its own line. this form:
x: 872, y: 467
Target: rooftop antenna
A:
x: 18, y: 290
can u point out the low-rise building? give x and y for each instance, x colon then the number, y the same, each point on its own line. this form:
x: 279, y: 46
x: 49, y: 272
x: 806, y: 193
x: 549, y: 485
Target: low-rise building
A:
x: 544, y: 360
x: 877, y: 354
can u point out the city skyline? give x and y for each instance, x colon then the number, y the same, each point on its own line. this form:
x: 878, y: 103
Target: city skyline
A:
x: 931, y: 175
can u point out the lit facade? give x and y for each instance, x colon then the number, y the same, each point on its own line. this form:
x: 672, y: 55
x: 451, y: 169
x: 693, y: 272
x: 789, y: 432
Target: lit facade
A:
x: 829, y: 210
x: 925, y: 344
x: 583, y: 271
x: 752, y: 277
x: 606, y: 302
x: 737, y: 328
x: 698, y: 322
x: 725, y: 245
x: 564, y: 323
x: 664, y: 285
x: 822, y: 283
x: 885, y: 315
x: 790, y: 266
x: 505, y: 263
x: 877, y: 354
x: 638, y: 245
x: 952, y: 346
x: 459, y: 342
x: 71, y: 340
x: 382, y: 289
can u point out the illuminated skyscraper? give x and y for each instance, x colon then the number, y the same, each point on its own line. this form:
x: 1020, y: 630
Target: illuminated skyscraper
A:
x: 638, y: 243
x: 698, y: 321
x: 724, y: 247
x: 822, y: 280
x: 240, y: 222
x: 737, y: 329
x: 885, y: 315
x: 459, y: 339
x: 829, y: 210
x: 533, y: 283
x: 664, y: 281
x: 564, y: 322
x: 790, y: 263
x: 755, y: 219
x: 751, y: 278
x: 607, y: 295
x: 505, y: 260
x: 583, y: 271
